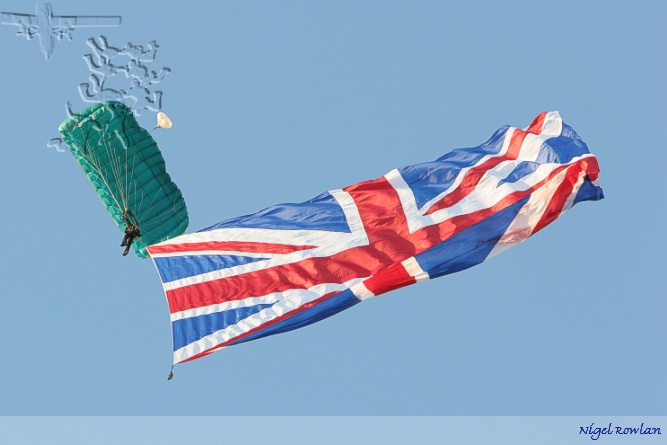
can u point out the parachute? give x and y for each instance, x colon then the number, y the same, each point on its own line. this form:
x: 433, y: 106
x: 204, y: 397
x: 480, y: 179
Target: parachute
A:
x: 124, y: 164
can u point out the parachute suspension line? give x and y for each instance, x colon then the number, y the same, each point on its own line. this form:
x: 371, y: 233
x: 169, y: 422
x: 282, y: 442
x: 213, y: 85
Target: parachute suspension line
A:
x: 115, y: 164
x: 95, y: 163
x: 120, y: 200
x: 103, y: 141
x: 115, y: 155
x: 174, y: 210
x: 148, y: 222
x: 129, y: 172
x: 115, y: 161
x: 139, y: 211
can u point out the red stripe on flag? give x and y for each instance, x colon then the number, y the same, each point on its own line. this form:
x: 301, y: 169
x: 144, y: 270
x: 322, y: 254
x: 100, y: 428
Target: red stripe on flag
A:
x: 560, y: 197
x: 235, y: 246
x: 393, y: 278
x: 555, y: 206
x: 536, y: 125
x: 358, y: 262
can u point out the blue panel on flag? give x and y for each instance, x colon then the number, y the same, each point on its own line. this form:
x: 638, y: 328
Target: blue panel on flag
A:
x: 523, y: 169
x: 320, y: 213
x: 562, y: 149
x: 430, y: 179
x: 178, y: 267
x: 469, y: 247
x: 589, y: 192
x: 192, y: 329
x: 320, y: 311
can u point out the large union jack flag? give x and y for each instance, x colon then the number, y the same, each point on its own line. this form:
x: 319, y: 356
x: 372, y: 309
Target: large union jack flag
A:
x: 291, y: 265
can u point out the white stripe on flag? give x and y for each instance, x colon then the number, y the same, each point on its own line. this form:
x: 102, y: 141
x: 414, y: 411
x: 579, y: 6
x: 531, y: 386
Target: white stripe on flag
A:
x: 413, y: 268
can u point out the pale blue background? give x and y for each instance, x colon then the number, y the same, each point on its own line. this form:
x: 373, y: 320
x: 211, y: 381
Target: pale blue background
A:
x: 279, y: 101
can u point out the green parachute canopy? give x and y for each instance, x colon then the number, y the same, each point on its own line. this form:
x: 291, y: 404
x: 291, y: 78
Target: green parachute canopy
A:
x: 124, y: 164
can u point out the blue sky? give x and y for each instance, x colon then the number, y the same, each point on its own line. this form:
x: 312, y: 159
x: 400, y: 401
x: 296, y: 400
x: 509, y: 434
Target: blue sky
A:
x: 279, y: 101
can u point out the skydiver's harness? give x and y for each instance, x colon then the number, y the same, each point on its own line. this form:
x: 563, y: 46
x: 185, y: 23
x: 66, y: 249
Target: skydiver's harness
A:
x: 131, y: 230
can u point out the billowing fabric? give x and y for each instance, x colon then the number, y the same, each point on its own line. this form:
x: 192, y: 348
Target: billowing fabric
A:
x: 124, y: 164
x: 294, y: 264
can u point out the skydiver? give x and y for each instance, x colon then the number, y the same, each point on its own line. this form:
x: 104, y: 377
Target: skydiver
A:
x: 137, y: 53
x: 103, y: 52
x: 104, y: 69
x: 139, y: 71
x: 99, y: 93
x: 131, y: 231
